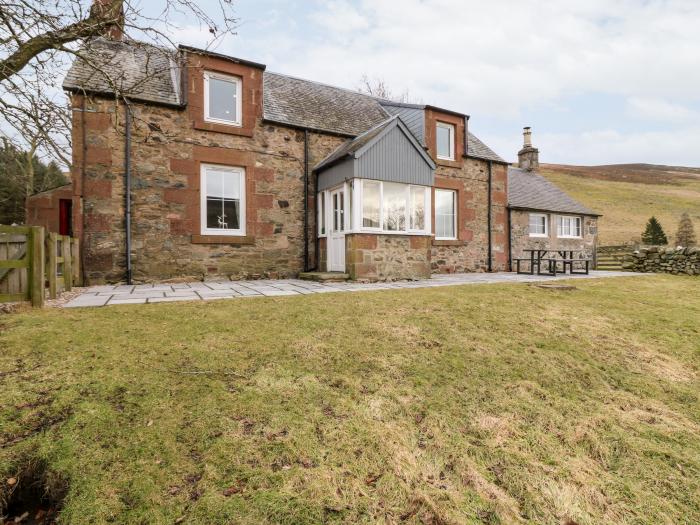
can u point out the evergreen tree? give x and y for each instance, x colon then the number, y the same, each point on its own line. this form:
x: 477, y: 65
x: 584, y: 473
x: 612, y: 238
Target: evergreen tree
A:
x: 654, y: 234
x: 686, y: 233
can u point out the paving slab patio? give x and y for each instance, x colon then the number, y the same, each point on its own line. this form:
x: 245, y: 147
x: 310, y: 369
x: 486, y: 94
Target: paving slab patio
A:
x: 102, y: 295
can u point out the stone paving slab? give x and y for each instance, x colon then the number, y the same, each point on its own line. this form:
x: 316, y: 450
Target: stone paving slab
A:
x: 209, y: 291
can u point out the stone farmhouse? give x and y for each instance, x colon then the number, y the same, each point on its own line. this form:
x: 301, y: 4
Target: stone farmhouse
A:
x: 212, y: 167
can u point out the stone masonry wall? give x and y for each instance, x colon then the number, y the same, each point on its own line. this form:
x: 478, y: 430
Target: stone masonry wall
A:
x: 521, y: 240
x: 664, y: 260
x: 167, y: 152
x: 375, y: 257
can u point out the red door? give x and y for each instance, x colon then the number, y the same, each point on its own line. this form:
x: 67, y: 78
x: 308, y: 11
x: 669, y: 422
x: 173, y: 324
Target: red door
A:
x: 65, y: 217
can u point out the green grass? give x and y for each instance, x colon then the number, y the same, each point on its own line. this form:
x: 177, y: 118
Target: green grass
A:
x: 627, y: 206
x: 472, y: 404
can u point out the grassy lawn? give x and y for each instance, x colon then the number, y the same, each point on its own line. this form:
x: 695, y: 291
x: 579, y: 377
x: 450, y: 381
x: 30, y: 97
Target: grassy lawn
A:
x: 627, y: 206
x: 472, y: 404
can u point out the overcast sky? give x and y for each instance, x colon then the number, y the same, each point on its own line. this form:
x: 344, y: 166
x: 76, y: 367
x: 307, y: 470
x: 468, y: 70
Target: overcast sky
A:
x: 599, y: 81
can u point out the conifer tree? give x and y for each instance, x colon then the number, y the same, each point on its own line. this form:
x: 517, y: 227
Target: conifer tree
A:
x: 654, y: 234
x: 686, y: 233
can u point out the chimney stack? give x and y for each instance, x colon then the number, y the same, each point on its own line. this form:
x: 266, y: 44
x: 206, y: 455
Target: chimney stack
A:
x: 529, y: 156
x: 113, y: 11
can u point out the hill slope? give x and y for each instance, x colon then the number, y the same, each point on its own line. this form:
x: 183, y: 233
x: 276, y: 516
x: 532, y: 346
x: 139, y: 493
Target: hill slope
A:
x: 628, y: 194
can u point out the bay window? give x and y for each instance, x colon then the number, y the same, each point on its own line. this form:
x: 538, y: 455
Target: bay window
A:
x: 222, y: 200
x: 392, y: 207
x: 445, y: 214
x: 568, y: 226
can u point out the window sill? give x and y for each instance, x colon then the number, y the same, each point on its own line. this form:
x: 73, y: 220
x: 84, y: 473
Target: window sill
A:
x: 228, y: 129
x: 222, y: 239
x: 568, y: 237
x: 538, y: 236
x: 448, y: 242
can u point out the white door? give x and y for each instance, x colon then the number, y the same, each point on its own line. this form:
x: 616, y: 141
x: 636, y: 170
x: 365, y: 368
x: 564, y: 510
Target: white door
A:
x: 336, y: 248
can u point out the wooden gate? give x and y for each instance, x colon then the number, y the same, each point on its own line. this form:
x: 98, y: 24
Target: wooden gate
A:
x: 22, y: 264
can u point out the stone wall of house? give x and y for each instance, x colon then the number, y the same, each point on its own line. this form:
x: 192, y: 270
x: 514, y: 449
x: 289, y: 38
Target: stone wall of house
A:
x: 521, y: 240
x: 373, y: 257
x: 166, y: 155
x: 664, y: 260
x: 469, y: 252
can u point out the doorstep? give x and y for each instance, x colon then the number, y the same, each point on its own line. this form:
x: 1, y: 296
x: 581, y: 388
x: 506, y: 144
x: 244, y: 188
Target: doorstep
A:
x: 324, y: 277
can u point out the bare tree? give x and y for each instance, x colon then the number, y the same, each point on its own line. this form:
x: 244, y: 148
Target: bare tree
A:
x: 377, y: 87
x: 39, y: 38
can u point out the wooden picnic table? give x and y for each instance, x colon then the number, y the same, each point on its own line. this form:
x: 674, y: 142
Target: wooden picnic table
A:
x: 538, y: 256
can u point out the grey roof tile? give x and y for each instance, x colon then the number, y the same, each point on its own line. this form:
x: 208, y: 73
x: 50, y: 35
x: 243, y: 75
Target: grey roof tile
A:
x: 476, y: 148
x: 530, y: 190
x: 150, y: 74
x: 141, y: 71
x: 307, y: 104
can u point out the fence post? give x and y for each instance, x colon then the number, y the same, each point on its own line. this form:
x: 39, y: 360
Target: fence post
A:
x: 51, y: 266
x: 75, y: 261
x: 67, y: 267
x: 36, y: 282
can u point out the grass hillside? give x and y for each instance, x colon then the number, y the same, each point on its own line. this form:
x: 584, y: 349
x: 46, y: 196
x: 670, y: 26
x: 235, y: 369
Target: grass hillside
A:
x: 628, y: 194
x: 463, y: 405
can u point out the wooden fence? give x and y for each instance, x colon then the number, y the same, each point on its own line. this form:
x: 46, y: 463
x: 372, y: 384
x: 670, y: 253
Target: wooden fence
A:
x: 31, y: 261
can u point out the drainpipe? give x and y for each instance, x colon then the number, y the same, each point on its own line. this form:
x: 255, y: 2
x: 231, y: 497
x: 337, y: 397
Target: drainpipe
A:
x: 489, y: 220
x: 83, y: 163
x: 510, y: 239
x: 127, y: 187
x: 306, y: 200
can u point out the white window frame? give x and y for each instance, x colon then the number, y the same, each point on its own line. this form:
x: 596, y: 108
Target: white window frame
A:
x: 358, y: 188
x: 240, y: 232
x: 455, y: 205
x: 546, y: 224
x: 573, y: 219
x: 239, y: 95
x: 451, y: 129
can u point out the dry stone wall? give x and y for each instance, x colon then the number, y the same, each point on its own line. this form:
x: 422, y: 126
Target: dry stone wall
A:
x: 664, y: 260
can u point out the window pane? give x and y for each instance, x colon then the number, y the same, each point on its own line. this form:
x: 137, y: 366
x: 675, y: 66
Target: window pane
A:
x: 223, y: 190
x: 417, y: 208
x: 445, y: 214
x: 370, y: 204
x: 577, y: 224
x: 222, y: 99
x: 335, y: 212
x: 394, y: 206
x: 444, y: 141
x: 538, y: 224
x: 214, y: 210
x: 322, y: 208
x: 231, y: 215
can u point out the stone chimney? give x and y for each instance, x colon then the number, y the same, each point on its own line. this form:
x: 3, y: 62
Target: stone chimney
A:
x: 114, y: 11
x: 529, y: 156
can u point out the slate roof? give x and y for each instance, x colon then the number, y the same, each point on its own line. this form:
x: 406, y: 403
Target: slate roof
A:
x: 149, y: 73
x: 142, y: 71
x: 354, y: 146
x: 306, y: 104
x: 530, y: 190
x: 476, y: 148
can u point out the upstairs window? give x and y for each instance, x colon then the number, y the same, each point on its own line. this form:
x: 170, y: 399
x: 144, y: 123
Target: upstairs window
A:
x: 223, y: 200
x: 445, y: 214
x: 445, y: 141
x: 538, y: 225
x: 568, y: 226
x: 222, y: 99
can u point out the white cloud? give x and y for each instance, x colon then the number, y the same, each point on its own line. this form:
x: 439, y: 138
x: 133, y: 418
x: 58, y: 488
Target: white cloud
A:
x: 660, y: 110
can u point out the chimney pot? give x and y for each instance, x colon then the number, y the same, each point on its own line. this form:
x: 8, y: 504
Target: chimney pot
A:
x: 529, y: 156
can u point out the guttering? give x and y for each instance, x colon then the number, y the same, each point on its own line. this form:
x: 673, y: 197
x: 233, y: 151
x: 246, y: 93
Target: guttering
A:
x: 306, y: 200
x: 489, y: 220
x: 127, y: 187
